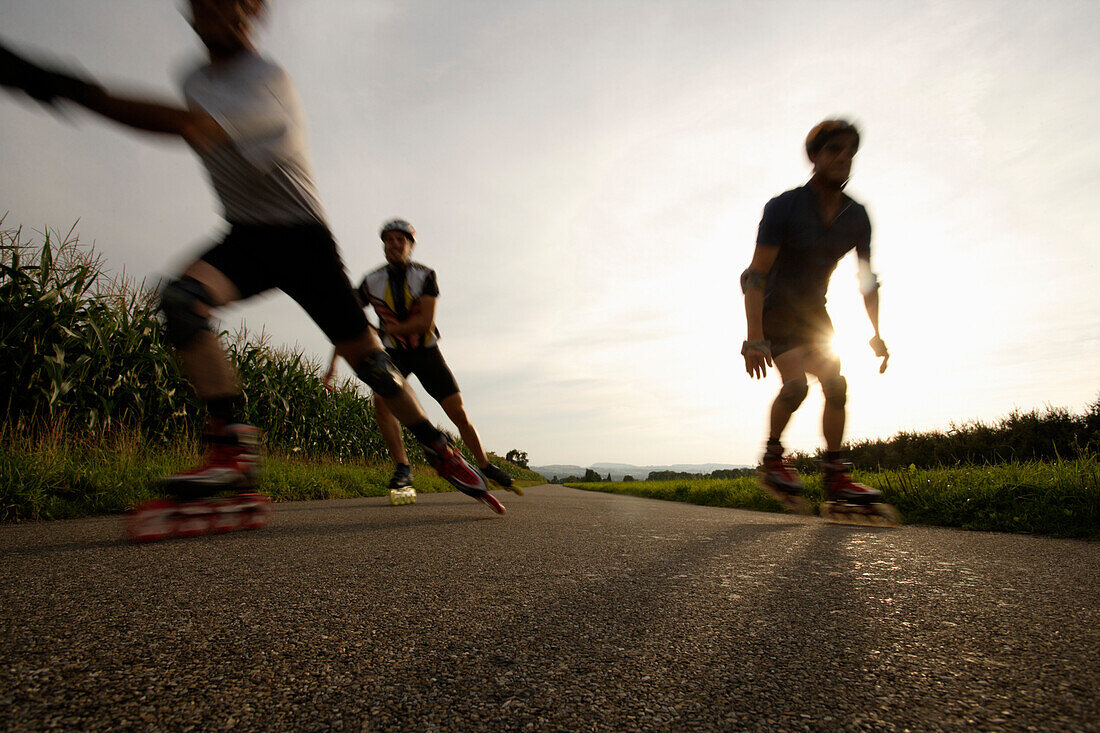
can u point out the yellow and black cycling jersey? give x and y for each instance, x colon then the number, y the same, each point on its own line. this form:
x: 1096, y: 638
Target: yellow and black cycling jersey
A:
x: 393, y: 293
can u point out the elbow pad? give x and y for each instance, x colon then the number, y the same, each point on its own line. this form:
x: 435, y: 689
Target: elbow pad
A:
x: 868, y: 281
x: 753, y: 280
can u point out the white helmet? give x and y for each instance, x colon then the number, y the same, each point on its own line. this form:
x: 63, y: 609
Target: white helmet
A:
x: 399, y: 225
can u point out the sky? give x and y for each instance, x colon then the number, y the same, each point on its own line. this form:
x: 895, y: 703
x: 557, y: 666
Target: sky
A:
x: 587, y: 178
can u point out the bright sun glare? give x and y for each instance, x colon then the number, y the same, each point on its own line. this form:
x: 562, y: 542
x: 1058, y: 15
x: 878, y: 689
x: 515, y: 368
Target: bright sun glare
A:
x: 853, y: 328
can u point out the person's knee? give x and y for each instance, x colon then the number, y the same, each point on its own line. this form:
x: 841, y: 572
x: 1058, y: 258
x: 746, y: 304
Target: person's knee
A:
x: 793, y: 392
x: 835, y: 389
x: 380, y: 374
x: 184, y: 302
x: 359, y: 347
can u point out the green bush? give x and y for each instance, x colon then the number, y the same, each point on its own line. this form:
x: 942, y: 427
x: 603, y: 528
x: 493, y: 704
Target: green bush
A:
x: 1049, y: 435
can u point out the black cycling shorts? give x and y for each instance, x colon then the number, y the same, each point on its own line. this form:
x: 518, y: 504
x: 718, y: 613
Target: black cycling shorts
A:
x: 299, y: 259
x: 789, y: 328
x: 429, y: 367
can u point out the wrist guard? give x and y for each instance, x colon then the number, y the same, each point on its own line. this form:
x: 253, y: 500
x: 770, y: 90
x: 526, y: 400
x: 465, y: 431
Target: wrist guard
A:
x: 763, y: 346
x: 42, y: 84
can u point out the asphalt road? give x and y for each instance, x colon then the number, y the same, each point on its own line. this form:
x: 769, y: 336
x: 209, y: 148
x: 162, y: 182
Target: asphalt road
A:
x: 576, y: 611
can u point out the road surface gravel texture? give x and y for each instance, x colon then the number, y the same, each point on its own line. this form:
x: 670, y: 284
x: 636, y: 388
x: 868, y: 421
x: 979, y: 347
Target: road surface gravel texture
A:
x: 577, y: 611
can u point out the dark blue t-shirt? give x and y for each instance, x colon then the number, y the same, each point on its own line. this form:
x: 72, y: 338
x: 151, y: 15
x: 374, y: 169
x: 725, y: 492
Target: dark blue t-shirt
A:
x: 808, y: 249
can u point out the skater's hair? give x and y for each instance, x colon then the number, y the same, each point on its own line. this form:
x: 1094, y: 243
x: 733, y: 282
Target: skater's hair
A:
x: 253, y: 8
x: 825, y: 130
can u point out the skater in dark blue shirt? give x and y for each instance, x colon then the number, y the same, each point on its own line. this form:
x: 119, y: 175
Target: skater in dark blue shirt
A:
x: 803, y: 234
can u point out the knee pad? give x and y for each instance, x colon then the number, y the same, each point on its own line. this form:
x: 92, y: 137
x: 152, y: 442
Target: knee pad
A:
x: 793, y: 392
x: 182, y: 324
x: 835, y: 390
x: 378, y: 371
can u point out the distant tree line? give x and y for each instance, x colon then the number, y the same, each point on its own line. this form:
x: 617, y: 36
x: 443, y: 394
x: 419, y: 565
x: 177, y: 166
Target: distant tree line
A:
x: 724, y: 473
x: 591, y: 476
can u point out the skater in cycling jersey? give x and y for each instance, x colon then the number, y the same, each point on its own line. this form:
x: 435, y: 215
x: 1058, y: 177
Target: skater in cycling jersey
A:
x: 403, y: 295
x: 244, y: 120
x: 803, y: 234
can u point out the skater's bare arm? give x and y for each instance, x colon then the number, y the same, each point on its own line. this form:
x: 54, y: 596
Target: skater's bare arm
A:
x: 757, y: 360
x: 868, y: 285
x: 46, y: 85
x: 197, y: 128
x: 420, y: 320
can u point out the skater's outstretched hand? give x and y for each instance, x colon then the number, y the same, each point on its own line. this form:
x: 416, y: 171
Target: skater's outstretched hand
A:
x: 197, y: 128
x: 758, y: 356
x: 879, y: 347
x: 46, y: 86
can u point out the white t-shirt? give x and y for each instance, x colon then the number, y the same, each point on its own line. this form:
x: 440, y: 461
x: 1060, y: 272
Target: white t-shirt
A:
x: 264, y: 174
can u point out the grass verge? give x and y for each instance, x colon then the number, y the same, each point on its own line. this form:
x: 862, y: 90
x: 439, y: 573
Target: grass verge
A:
x: 1056, y: 498
x: 57, y: 476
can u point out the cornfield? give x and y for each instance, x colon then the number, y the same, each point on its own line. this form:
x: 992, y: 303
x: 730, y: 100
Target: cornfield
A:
x: 81, y: 348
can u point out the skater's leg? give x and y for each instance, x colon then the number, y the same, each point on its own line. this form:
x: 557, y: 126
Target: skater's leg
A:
x: 826, y: 367
x: 837, y: 480
x: 320, y: 285
x: 452, y: 405
x: 188, y: 304
x: 456, y: 411
x: 232, y: 449
x: 368, y: 359
x: 793, y: 373
x: 438, y: 380
x: 778, y: 476
x: 391, y: 431
x: 371, y: 363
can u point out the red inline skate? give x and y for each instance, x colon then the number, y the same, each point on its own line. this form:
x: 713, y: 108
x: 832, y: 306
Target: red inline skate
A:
x: 218, y: 496
x: 780, y: 479
x: 450, y: 464
x: 848, y: 502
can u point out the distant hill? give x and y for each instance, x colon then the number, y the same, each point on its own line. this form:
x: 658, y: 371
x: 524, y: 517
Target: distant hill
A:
x: 619, y: 470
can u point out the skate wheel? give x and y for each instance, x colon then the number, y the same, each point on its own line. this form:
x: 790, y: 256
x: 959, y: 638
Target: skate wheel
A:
x: 838, y: 513
x: 791, y: 502
x: 256, y: 511
x: 887, y: 514
x: 226, y: 517
x: 402, y: 496
x: 194, y: 518
x: 152, y: 521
